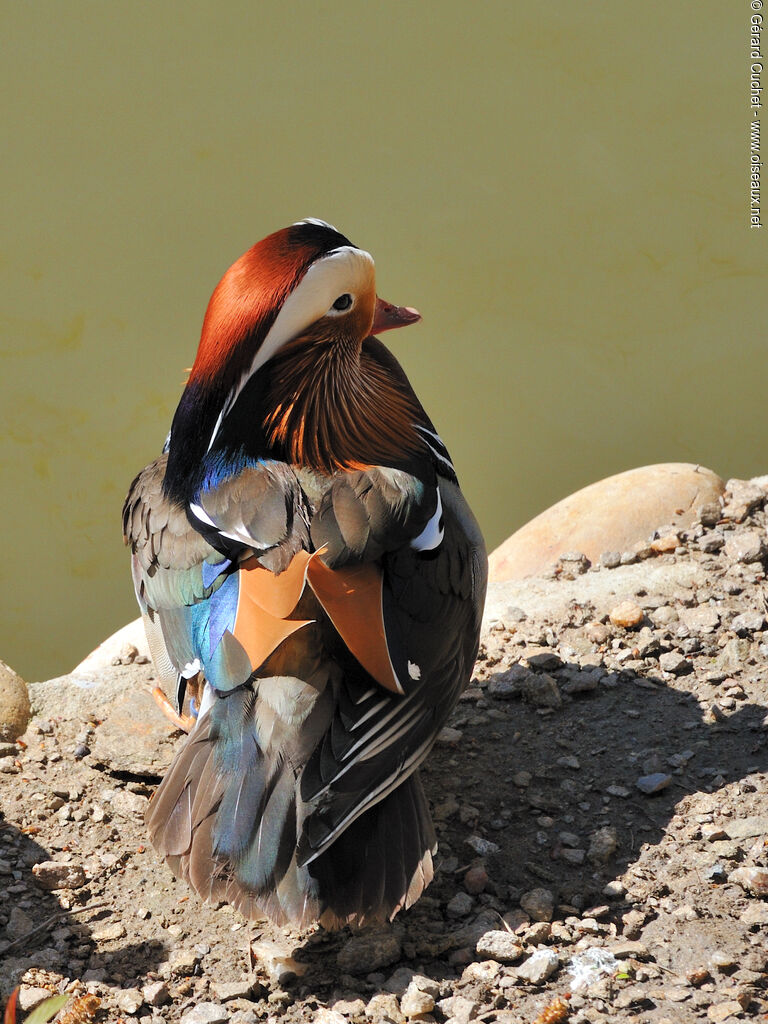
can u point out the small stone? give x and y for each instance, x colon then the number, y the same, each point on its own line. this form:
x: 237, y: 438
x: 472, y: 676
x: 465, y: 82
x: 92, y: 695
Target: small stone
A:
x: 476, y: 879
x: 448, y: 737
x: 602, y: 845
x: 755, y: 915
x: 384, y: 1008
x: 674, y: 663
x: 369, y: 951
x: 542, y: 658
x: 184, y: 962
x: 539, y: 904
x: 206, y: 1013
x: 702, y: 619
x: 482, y: 971
x: 597, y: 633
x: 482, y: 847
x: 499, y: 945
x: 610, y: 559
x: 620, y: 791
x: 540, y: 966
x: 542, y: 691
x: 575, y: 857
x: 129, y: 805
x: 710, y: 513
x: 129, y: 1000
x: 8, y: 766
x: 754, y: 880
x: 633, y: 922
x: 665, y: 545
x: 459, y: 1009
x: 52, y: 875
x: 109, y: 932
x: 627, y: 615
x: 415, y: 1003
x: 627, y: 950
x: 615, y: 889
x: 522, y: 779
x: 747, y: 623
x: 664, y: 615
x: 711, y: 542
x: 19, y: 924
x: 745, y: 546
x: 742, y: 497
x: 156, y: 994
x: 653, y: 783
x: 325, y: 1016
x: 460, y: 905
x: 723, y: 1011
x: 716, y: 872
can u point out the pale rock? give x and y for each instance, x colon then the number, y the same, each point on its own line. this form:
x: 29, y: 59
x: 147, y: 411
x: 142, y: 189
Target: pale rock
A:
x: 384, y: 1007
x: 50, y: 874
x: 129, y: 1000
x: 540, y: 966
x: 702, y: 619
x: 627, y: 615
x: 31, y: 996
x: 615, y: 514
x: 753, y: 879
x: 416, y: 1003
x: 109, y: 932
x: 206, y: 1013
x: 674, y: 663
x: 14, y: 704
x: 718, y: 1012
x: 653, y: 783
x: 459, y: 1009
x: 325, y: 1016
x: 156, y: 994
x: 499, y: 945
x: 745, y: 546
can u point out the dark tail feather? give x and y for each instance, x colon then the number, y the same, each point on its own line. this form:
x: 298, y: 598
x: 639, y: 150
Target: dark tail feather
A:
x: 381, y: 864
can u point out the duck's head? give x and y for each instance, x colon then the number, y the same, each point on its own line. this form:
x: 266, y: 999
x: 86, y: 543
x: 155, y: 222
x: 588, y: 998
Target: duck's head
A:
x: 304, y: 289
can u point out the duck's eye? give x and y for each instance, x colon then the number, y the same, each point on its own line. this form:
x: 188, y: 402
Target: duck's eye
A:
x: 343, y: 302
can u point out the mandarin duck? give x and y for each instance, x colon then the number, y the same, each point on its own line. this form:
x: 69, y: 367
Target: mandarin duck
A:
x: 303, y: 556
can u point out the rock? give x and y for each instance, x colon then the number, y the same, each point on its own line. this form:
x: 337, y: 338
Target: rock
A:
x: 19, y: 924
x: 129, y: 999
x: 127, y: 805
x: 745, y: 546
x: 615, y: 514
x: 748, y: 622
x: 476, y: 879
x: 610, y: 559
x: 482, y: 847
x: 539, y: 966
x: 653, y: 783
x: 184, y: 962
x: 674, y: 663
x: 499, y: 945
x: 602, y: 845
x: 384, y: 1008
x: 134, y: 737
x: 458, y: 1009
x: 109, y: 932
x: 459, y: 905
x: 627, y: 615
x: 633, y: 922
x: 754, y: 880
x: 755, y: 915
x: 326, y: 1016
x: 131, y: 636
x: 753, y: 827
x: 723, y: 1011
x: 156, y: 993
x: 741, y: 498
x: 597, y: 633
x: 542, y: 691
x: 206, y: 1013
x: 31, y: 996
x: 507, y: 685
x: 277, y: 961
x: 665, y: 545
x: 627, y: 950
x: 448, y: 737
x: 415, y: 1003
x: 539, y: 904
x: 14, y: 704
x: 711, y: 542
x: 51, y: 875
x: 702, y: 619
x: 369, y: 951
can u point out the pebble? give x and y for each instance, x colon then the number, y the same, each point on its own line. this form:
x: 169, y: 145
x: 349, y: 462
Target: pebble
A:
x: 702, y: 619
x: 653, y: 783
x: 483, y: 847
x: 476, y: 879
x: 540, y: 966
x: 633, y: 922
x: 499, y: 945
x: 627, y: 615
x: 711, y: 542
x: 206, y: 1013
x: 448, y: 737
x: 8, y: 766
x: 602, y: 845
x: 50, y: 874
x: 745, y: 546
x: 156, y: 994
x: 633, y: 949
x: 414, y: 1002
x: 184, y: 962
x: 129, y: 999
x: 542, y: 691
x: 384, y: 1007
x: 748, y: 622
x: 610, y: 559
x: 31, y: 996
x: 753, y: 879
x: 459, y: 905
x: 722, y: 1011
x: 674, y: 663
x: 539, y: 904
x: 369, y: 951
x: 109, y: 933
x: 458, y: 1009
x: 755, y: 914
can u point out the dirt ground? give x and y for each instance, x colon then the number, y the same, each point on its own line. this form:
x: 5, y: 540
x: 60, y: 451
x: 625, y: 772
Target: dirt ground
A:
x: 601, y: 801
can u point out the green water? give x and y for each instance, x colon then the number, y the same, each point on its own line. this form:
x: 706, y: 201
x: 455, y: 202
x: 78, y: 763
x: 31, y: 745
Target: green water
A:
x: 561, y: 190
